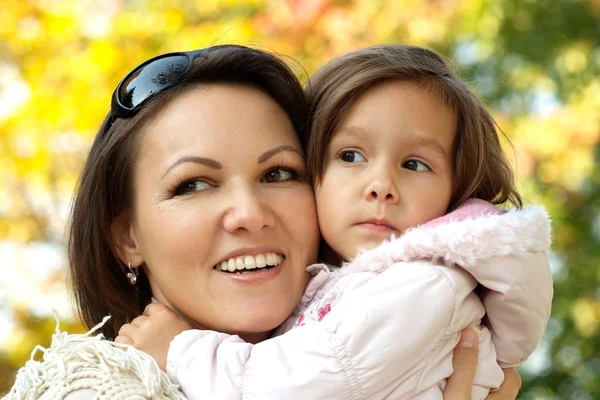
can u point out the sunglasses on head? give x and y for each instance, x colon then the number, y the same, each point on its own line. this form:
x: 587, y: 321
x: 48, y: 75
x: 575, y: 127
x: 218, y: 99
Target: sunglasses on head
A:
x: 151, y: 77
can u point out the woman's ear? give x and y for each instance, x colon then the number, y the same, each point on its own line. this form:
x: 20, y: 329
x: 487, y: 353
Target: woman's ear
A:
x: 125, y: 242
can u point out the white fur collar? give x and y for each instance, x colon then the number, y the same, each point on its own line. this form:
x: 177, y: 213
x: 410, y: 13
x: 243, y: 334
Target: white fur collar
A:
x: 465, y: 242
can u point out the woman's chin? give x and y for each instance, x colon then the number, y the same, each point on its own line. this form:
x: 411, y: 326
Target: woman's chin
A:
x: 254, y: 337
x: 258, y: 327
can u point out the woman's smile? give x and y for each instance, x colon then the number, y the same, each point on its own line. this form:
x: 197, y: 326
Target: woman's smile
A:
x: 249, y: 263
x: 254, y: 275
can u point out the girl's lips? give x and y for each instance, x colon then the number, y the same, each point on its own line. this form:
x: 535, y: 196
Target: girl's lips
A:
x: 376, y: 227
x: 379, y: 225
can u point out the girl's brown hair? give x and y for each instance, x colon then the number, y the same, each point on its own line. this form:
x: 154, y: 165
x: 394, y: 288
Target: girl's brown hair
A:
x: 481, y: 169
x: 106, y: 187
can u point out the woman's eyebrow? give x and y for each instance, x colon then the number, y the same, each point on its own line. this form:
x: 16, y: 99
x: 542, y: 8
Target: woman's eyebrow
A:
x: 197, y: 160
x: 270, y: 153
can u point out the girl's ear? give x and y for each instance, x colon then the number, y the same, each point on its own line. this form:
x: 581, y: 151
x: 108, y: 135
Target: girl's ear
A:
x: 125, y: 242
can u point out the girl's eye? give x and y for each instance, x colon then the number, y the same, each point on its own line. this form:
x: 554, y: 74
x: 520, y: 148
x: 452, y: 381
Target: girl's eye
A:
x: 192, y: 186
x: 278, y: 175
x: 351, y: 156
x: 415, y: 165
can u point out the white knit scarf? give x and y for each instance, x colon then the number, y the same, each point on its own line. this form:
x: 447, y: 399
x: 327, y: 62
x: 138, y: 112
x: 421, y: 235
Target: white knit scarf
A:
x: 84, y: 364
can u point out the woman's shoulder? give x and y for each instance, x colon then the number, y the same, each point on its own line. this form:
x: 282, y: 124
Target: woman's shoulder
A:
x: 76, y: 366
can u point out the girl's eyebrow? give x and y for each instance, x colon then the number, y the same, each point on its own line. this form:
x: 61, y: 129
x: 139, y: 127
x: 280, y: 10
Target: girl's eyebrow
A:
x: 356, y: 131
x: 417, y: 140
x: 430, y: 143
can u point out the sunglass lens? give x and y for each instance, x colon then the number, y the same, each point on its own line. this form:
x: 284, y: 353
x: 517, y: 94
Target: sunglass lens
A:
x: 151, y: 78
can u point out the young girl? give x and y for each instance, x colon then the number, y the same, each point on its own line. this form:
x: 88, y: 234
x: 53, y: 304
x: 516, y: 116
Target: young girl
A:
x: 408, y: 170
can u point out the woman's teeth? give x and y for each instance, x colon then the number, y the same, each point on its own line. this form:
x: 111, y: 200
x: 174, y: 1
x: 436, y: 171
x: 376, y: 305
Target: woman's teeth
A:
x: 247, y: 263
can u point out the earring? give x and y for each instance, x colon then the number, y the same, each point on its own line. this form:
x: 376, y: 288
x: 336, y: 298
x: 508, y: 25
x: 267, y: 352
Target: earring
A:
x: 132, y: 276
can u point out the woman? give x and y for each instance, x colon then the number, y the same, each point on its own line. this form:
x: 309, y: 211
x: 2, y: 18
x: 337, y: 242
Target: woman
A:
x: 227, y: 125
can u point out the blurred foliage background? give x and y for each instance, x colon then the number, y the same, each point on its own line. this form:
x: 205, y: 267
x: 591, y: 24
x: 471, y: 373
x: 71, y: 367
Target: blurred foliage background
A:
x: 536, y: 62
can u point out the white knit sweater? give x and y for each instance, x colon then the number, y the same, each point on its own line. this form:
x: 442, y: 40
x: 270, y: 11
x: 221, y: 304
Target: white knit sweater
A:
x: 83, y: 366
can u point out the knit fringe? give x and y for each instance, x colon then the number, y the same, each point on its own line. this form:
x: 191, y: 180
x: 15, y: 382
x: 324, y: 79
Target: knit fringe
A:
x: 81, y: 361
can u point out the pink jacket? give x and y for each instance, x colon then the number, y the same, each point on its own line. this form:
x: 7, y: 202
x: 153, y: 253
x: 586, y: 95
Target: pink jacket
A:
x: 385, y: 325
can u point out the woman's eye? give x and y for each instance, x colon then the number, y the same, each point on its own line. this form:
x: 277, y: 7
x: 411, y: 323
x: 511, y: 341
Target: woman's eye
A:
x: 351, y: 156
x: 278, y: 175
x: 191, y: 187
x: 415, y: 165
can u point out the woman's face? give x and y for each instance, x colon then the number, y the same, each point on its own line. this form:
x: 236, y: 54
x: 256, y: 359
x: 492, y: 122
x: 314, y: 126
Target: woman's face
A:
x: 220, y: 185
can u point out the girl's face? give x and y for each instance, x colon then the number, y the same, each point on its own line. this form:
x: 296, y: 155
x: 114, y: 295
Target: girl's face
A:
x: 220, y: 185
x: 388, y: 168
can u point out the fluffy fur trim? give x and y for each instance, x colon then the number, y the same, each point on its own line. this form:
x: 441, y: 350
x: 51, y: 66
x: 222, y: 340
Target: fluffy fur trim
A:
x: 464, y: 242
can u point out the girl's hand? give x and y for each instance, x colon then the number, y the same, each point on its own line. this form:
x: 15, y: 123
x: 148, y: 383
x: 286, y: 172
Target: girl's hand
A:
x: 464, y: 361
x: 153, y: 331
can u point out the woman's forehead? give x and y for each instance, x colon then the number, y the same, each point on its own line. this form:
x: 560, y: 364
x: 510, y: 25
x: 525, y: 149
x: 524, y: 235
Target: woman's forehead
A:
x: 218, y: 120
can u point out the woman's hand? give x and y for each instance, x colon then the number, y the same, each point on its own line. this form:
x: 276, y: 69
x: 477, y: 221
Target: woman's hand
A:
x: 464, y: 361
x: 509, y: 388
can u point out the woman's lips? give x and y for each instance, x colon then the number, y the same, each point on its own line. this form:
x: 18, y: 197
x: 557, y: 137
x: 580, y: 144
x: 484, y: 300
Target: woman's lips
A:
x: 250, y: 262
x: 250, y: 251
x: 253, y: 276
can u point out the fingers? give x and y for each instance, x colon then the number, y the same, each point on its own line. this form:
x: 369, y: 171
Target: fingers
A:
x: 128, y: 330
x: 124, y: 340
x: 464, y: 361
x: 154, y: 308
x: 139, y: 321
x: 509, y: 388
x: 512, y: 377
x: 129, y: 333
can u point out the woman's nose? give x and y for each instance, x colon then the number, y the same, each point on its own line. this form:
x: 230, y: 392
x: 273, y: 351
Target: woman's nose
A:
x: 248, y: 212
x: 382, y: 189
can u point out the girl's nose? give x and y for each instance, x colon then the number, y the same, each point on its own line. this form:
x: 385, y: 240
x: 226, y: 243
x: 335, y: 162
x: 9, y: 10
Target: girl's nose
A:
x: 382, y: 189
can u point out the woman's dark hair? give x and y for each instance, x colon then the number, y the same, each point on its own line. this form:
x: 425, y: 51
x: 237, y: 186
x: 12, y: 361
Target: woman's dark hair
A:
x: 480, y: 166
x: 106, y: 190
